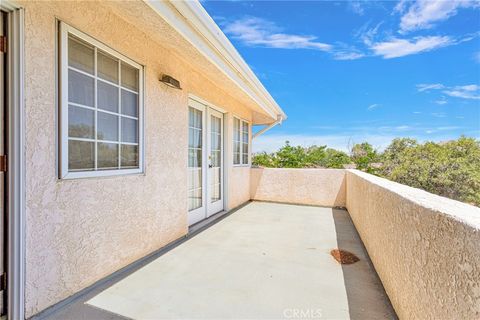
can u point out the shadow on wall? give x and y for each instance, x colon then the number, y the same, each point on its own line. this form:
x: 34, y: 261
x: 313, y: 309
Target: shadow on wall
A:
x: 255, y: 181
x: 366, y: 297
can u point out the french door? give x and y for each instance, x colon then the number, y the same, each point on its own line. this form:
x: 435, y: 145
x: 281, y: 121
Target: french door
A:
x: 205, y: 162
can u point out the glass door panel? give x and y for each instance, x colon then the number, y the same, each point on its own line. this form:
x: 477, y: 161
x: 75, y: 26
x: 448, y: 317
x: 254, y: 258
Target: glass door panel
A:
x: 215, y: 158
x: 195, y: 164
x: 215, y: 162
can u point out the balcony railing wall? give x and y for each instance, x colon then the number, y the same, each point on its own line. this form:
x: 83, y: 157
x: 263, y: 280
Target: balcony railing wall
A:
x: 425, y: 248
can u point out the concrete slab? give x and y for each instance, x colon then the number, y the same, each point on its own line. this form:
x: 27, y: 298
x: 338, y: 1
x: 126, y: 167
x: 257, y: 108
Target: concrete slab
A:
x: 265, y: 261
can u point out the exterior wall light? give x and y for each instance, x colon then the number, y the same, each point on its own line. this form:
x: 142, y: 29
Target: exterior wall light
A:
x: 171, y: 82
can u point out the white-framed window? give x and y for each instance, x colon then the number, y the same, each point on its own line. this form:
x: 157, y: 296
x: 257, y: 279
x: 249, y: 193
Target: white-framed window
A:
x: 101, y: 108
x: 241, y: 141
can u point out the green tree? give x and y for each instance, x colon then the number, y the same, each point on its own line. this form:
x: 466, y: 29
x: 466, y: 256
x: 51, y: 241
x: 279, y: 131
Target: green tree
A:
x: 335, y: 159
x: 450, y: 169
x: 314, y: 156
x: 290, y: 157
x: 263, y: 159
x: 364, y: 155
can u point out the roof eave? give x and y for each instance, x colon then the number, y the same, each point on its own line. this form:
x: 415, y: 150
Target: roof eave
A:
x: 193, y: 22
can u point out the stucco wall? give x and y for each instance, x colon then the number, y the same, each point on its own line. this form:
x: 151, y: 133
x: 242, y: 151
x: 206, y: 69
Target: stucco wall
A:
x: 425, y: 248
x: 79, y: 231
x: 323, y: 187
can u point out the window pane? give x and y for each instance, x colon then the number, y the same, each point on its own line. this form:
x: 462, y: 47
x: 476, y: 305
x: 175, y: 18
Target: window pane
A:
x: 244, y: 126
x: 129, y: 130
x: 245, y: 148
x: 129, y: 103
x: 129, y: 156
x: 81, y: 122
x: 216, y: 158
x: 236, y: 158
x: 81, y: 155
x: 216, y: 193
x: 129, y: 77
x: 107, y: 126
x: 80, y: 88
x: 195, y: 138
x: 195, y: 178
x: 107, y: 67
x: 107, y: 155
x: 194, y: 158
x: 216, y: 141
x: 245, y: 159
x: 236, y: 129
x: 245, y: 137
x: 195, y: 118
x: 194, y: 199
x: 236, y: 147
x: 215, y: 124
x: 107, y: 96
x: 80, y: 55
x: 245, y: 153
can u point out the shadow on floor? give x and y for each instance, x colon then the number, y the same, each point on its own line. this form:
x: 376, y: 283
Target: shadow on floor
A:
x: 363, y: 286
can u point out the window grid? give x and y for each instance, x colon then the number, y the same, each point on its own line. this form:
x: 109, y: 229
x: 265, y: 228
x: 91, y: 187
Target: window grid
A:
x: 67, y: 105
x: 241, y: 142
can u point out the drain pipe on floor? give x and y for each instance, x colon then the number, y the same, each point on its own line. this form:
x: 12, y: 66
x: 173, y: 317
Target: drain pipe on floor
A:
x: 270, y: 126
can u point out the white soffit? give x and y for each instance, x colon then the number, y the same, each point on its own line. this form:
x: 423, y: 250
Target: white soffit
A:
x: 191, y: 20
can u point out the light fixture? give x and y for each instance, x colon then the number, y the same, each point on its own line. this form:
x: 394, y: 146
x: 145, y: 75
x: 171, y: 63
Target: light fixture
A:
x: 171, y: 82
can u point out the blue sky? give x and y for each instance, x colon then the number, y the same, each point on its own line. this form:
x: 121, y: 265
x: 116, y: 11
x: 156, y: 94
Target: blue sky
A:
x: 353, y: 71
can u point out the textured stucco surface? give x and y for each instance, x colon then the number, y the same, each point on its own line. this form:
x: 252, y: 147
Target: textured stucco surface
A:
x: 322, y: 187
x: 79, y: 231
x: 425, y: 248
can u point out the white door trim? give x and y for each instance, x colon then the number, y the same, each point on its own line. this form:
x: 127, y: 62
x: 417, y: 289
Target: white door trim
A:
x: 16, y: 162
x: 199, y: 214
x: 219, y: 205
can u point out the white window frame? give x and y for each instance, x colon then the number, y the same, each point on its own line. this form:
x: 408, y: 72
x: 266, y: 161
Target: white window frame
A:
x: 241, y: 164
x: 65, y: 30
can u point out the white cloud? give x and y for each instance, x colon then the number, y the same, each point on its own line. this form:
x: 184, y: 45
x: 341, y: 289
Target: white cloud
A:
x: 394, y: 48
x: 470, y: 87
x: 344, y: 55
x: 439, y: 114
x: 422, y: 14
x: 373, y: 106
x: 464, y: 94
x: 417, y: 112
x: 260, y: 32
x: 476, y: 57
x: 356, y: 7
x: 470, y: 91
x: 441, y: 101
x: 425, y: 87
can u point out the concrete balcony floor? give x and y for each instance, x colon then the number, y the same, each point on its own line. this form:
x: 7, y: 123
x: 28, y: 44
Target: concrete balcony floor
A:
x: 264, y: 261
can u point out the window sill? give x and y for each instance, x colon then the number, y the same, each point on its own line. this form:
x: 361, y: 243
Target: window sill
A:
x: 241, y: 165
x: 101, y: 174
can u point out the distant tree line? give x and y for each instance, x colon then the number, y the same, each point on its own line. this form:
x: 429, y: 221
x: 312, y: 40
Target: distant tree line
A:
x: 450, y: 169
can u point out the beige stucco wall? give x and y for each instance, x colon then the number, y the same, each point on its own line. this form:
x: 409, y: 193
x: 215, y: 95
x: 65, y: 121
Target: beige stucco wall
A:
x: 425, y: 248
x: 323, y: 187
x: 79, y: 231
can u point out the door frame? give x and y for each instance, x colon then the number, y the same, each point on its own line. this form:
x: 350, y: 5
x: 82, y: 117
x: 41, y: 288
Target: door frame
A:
x: 208, y: 192
x: 205, y: 114
x: 15, y: 251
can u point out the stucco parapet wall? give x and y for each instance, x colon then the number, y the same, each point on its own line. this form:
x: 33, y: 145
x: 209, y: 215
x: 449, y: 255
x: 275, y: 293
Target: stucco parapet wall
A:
x: 425, y: 248
x: 457, y: 210
x: 322, y: 187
